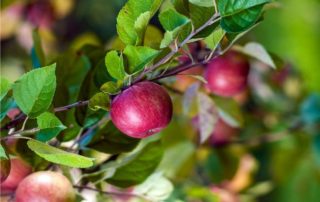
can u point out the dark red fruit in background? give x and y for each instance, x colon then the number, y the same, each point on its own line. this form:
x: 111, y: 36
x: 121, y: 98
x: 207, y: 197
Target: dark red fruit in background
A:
x: 141, y: 110
x: 45, y: 186
x: 19, y: 170
x: 223, y: 133
x: 40, y: 14
x: 227, y: 75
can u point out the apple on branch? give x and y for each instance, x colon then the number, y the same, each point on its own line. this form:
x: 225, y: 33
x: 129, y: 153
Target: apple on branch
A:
x: 141, y: 110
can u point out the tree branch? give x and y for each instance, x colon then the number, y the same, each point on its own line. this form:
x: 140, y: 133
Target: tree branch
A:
x: 67, y: 107
x: 211, y: 21
x: 21, y: 117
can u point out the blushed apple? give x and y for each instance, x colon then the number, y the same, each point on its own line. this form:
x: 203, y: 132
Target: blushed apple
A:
x: 45, y: 186
x: 141, y: 110
x: 19, y: 170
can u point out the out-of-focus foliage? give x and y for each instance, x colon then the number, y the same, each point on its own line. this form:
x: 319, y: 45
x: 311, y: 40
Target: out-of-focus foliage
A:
x: 58, y: 52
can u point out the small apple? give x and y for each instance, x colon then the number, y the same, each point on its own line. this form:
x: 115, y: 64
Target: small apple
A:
x: 222, y: 133
x: 141, y: 110
x: 227, y: 75
x: 19, y: 170
x: 45, y: 186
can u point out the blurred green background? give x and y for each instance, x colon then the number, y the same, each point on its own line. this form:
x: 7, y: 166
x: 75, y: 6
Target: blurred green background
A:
x: 291, y: 29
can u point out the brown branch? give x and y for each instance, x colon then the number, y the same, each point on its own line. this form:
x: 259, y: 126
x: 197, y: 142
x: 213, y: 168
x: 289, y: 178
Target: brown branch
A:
x: 67, y: 107
x: 21, y: 117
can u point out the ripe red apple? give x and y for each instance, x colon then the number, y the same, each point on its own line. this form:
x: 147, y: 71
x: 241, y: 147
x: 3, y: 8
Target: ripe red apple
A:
x: 45, y: 186
x: 19, y: 170
x: 227, y: 75
x: 222, y: 133
x: 141, y: 110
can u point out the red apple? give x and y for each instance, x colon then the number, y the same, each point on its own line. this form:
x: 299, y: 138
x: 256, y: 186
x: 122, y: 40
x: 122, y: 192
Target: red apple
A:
x: 227, y: 75
x: 45, y: 186
x: 141, y: 110
x: 222, y: 133
x: 19, y: 170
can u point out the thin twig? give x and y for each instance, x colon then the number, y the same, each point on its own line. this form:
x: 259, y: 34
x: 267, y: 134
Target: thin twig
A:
x: 90, y: 129
x: 67, y: 107
x: 111, y: 192
x: 211, y: 21
x: 22, y: 117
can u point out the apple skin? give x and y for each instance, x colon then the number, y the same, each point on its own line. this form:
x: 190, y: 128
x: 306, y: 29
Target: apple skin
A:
x: 19, y: 170
x: 227, y: 75
x: 141, y: 110
x: 45, y: 186
x: 222, y: 133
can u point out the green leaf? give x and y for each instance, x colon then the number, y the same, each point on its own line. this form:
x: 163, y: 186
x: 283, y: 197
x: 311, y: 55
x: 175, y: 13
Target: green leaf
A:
x: 34, y: 91
x: 110, y: 140
x: 229, y: 111
x: 138, y: 57
x: 258, y: 52
x: 204, y: 3
x: 5, y: 86
x: 141, y: 25
x: 213, y: 40
x: 207, y: 116
x: 110, y: 88
x: 3, y: 153
x: 155, y: 191
x: 237, y: 16
x: 139, y: 167
x: 99, y: 101
x: 133, y: 19
x: 115, y: 66
x: 171, y: 19
x: 189, y: 102
x: 50, y: 126
x: 174, y: 24
x: 199, y: 14
x: 59, y: 156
